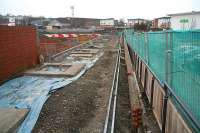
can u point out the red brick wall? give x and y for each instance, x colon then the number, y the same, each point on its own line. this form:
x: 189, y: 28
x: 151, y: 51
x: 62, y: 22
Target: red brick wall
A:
x: 18, y: 50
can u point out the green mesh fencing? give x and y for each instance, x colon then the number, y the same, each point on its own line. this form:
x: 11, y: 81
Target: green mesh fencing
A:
x: 174, y: 56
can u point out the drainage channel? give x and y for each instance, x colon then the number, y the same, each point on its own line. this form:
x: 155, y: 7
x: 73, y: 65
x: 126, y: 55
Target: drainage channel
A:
x: 109, y: 126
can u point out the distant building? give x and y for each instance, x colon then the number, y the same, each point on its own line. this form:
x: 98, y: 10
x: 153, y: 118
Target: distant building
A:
x: 57, y: 24
x: 8, y: 20
x: 12, y: 20
x: 107, y: 23
x: 92, y: 23
x: 185, y: 21
x: 38, y: 23
x: 54, y: 24
x: 84, y: 22
x: 4, y: 21
x: 132, y: 22
x: 161, y: 23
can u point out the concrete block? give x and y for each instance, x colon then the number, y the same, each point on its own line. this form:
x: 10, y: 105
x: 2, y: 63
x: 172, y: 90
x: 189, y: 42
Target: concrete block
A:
x: 86, y: 51
x: 56, y: 70
x: 11, y: 119
x: 74, y: 69
x: 81, y: 55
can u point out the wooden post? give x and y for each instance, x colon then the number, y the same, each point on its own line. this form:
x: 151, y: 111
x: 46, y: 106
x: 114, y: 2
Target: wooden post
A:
x: 140, y: 70
x: 152, y: 90
x: 137, y: 71
x: 164, y: 110
x: 145, y: 79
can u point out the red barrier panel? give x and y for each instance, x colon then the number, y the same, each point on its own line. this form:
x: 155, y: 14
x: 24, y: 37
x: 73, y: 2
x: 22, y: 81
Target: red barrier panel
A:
x: 18, y: 50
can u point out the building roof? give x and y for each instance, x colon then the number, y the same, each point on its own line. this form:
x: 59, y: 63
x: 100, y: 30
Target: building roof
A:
x: 138, y: 19
x: 82, y: 18
x: 108, y: 19
x: 4, y: 21
x: 63, y: 20
x: 186, y: 13
x: 55, y: 23
x: 166, y: 17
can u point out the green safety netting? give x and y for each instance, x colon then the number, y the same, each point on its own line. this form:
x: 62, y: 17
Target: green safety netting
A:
x: 174, y: 56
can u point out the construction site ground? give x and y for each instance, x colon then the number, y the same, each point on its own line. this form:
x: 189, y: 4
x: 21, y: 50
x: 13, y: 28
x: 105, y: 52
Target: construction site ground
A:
x: 82, y: 105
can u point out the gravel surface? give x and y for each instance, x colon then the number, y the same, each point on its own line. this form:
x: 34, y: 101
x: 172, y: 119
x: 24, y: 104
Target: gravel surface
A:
x: 81, y: 106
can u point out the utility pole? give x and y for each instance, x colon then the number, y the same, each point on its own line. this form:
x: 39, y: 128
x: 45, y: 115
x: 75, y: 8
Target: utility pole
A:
x: 72, y: 9
x: 72, y: 17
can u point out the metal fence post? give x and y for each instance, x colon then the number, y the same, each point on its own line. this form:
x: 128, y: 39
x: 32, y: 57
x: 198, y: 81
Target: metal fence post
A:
x: 166, y: 56
x: 168, y: 50
x: 147, y: 50
x: 146, y: 47
x: 170, y: 59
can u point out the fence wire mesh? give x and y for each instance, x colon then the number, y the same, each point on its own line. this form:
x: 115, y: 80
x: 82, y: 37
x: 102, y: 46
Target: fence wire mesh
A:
x: 174, y: 57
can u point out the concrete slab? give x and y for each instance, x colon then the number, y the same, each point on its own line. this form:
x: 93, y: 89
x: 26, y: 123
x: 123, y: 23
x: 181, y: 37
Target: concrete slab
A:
x: 98, y: 46
x: 11, y: 119
x: 81, y: 55
x: 58, y: 64
x: 81, y: 52
x: 57, y: 70
x: 74, y: 69
x: 91, y: 50
x: 85, y: 51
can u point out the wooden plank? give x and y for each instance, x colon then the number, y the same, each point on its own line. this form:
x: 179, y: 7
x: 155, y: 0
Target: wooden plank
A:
x: 158, y: 102
x: 148, y: 88
x: 174, y: 121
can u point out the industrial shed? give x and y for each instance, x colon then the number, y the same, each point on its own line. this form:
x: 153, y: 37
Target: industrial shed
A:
x: 185, y: 21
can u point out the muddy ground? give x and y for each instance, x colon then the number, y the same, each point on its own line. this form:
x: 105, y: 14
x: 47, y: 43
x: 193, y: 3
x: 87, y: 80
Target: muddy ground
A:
x: 81, y: 106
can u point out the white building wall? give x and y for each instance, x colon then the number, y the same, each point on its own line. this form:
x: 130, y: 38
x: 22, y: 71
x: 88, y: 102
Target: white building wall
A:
x: 136, y: 21
x: 193, y: 22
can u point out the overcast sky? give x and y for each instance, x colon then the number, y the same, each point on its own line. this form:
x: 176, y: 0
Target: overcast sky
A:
x: 147, y: 9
